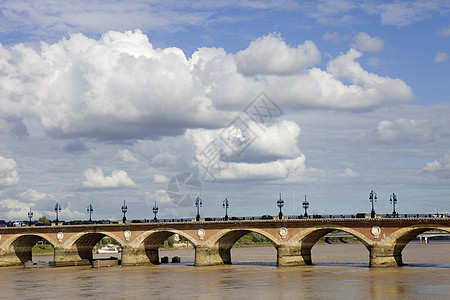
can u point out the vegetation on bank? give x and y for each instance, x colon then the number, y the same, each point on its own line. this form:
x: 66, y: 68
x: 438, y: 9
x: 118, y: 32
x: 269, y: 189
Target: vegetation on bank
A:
x: 42, y: 248
x: 337, y: 240
x: 44, y: 220
x: 252, y: 239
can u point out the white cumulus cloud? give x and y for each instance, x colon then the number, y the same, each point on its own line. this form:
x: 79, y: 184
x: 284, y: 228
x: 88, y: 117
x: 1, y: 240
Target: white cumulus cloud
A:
x: 120, y: 87
x: 159, y: 196
x: 127, y: 156
x: 368, y: 89
x: 364, y: 42
x: 279, y: 169
x: 8, y: 172
x: 249, y: 152
x: 94, y: 178
x: 14, y: 209
x: 441, y: 166
x: 349, y: 173
x: 271, y: 55
x: 160, y: 179
x: 250, y: 141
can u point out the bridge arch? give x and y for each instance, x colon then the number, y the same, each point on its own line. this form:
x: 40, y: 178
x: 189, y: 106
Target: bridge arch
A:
x: 306, y: 239
x: 222, y: 242
x: 400, y: 238
x: 21, y: 246
x: 79, y: 238
x: 152, y: 240
x: 81, y: 244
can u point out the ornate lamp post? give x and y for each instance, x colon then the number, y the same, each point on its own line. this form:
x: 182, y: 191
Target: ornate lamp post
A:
x: 372, y: 199
x: 30, y: 215
x: 90, y: 209
x: 226, y: 204
x: 124, y: 211
x: 57, y: 210
x: 155, y: 211
x: 393, y: 200
x: 280, y: 204
x: 305, y: 206
x: 198, y: 204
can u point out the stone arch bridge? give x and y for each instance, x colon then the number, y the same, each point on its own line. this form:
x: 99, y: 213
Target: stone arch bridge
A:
x: 212, y: 240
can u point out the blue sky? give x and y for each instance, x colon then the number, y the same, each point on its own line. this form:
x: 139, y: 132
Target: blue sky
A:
x: 102, y: 101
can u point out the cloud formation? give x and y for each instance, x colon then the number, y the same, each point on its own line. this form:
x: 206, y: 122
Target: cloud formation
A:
x: 34, y: 196
x: 349, y: 173
x: 270, y: 55
x: 268, y: 153
x: 403, y: 130
x: 9, y: 175
x: 367, y: 89
x: 127, y: 156
x: 94, y: 178
x: 441, y: 166
x: 407, y: 13
x: 412, y: 130
x: 364, y: 42
x: 120, y: 87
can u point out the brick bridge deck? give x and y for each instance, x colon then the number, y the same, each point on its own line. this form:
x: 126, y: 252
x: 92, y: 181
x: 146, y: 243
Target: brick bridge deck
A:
x: 384, y: 239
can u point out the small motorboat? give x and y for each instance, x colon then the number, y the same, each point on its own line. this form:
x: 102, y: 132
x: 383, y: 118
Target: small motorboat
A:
x: 109, y: 248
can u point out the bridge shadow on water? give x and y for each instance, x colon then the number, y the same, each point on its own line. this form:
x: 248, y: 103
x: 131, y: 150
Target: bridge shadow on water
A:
x: 319, y: 264
x: 255, y: 263
x: 350, y: 265
x: 439, y: 266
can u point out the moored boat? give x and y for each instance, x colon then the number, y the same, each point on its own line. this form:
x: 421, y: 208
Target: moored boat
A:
x: 109, y: 248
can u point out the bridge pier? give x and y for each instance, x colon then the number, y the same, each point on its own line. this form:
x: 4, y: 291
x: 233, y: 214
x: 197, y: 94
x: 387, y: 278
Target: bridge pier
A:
x: 72, y: 256
x: 293, y: 256
x: 384, y: 256
x: 152, y: 256
x: 139, y: 256
x: 211, y: 256
x: 11, y: 258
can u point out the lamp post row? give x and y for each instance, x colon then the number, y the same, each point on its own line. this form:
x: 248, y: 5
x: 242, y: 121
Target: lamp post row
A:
x: 392, y: 199
x: 226, y: 204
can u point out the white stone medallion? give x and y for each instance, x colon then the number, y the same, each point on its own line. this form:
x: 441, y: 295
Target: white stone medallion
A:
x: 283, y: 232
x: 60, y: 236
x: 201, y: 233
x: 375, y: 231
x: 127, y: 235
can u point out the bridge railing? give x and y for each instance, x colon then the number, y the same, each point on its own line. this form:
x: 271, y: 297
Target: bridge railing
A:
x: 231, y: 219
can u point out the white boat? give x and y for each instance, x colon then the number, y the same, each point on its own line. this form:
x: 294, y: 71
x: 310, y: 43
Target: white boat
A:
x: 109, y: 248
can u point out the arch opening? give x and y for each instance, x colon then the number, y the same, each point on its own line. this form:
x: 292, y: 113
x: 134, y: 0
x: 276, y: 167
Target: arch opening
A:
x: 167, y: 244
x: 334, y: 246
x: 95, y: 246
x: 424, y: 246
x: 33, y: 248
x: 238, y: 243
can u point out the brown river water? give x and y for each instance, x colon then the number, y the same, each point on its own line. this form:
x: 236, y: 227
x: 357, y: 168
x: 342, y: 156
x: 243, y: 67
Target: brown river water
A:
x: 340, y: 271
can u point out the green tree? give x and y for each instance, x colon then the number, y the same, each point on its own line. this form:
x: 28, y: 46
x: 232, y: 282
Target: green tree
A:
x: 44, y: 220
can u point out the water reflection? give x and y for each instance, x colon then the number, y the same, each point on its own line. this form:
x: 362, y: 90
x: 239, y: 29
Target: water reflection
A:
x: 252, y: 275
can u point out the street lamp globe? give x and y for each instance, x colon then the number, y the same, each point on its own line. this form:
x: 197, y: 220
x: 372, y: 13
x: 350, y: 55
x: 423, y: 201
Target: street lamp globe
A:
x: 155, y: 211
x: 280, y: 204
x: 372, y: 199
